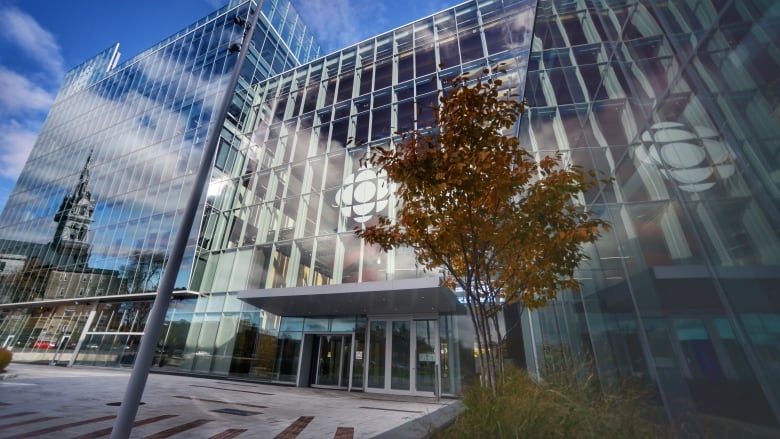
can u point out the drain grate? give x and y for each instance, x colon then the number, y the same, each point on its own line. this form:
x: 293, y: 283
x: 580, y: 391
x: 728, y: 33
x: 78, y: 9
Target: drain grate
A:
x: 117, y: 404
x: 237, y: 412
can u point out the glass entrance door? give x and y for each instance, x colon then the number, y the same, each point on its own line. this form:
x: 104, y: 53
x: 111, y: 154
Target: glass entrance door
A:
x: 332, y: 360
x: 402, y: 356
x: 425, y: 358
x: 400, y: 370
x: 377, y: 347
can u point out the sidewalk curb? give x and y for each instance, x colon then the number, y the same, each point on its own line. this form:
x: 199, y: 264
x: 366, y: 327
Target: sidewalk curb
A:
x: 427, y: 425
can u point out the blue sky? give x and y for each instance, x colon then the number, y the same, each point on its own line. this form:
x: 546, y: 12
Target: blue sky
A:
x: 42, y: 39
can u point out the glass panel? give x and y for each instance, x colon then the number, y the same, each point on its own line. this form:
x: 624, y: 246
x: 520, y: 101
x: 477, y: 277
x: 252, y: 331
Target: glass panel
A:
x: 287, y: 352
x: 329, y: 360
x: 340, y: 324
x: 425, y: 375
x: 206, y: 347
x: 245, y: 343
x: 316, y: 324
x: 292, y: 324
x: 128, y: 350
x: 376, y: 355
x: 346, y: 354
x: 224, y: 343
x: 401, y: 344
x: 450, y: 364
x: 359, y: 358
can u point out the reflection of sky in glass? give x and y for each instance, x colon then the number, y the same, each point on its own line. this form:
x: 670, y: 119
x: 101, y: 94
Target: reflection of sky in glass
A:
x: 296, y: 175
x: 146, y: 122
x: 681, y: 109
x: 160, y: 104
x: 678, y: 108
x: 661, y: 135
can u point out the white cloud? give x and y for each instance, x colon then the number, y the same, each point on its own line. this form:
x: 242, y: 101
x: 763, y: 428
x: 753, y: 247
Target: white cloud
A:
x: 24, y: 101
x: 336, y: 23
x: 16, y: 141
x: 36, y: 42
x: 20, y: 95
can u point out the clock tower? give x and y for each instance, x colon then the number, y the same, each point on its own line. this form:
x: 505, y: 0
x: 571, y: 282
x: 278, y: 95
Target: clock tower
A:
x: 73, y: 219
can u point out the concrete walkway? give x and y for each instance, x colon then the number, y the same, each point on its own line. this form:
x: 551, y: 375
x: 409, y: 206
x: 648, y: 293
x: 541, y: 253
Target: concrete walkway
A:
x: 80, y: 402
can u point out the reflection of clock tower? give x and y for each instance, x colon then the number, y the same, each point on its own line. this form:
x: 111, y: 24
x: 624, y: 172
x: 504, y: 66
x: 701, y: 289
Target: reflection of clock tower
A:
x: 73, y: 219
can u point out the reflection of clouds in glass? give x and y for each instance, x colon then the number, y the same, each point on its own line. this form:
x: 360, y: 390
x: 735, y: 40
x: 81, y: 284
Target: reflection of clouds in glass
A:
x: 324, y: 17
x: 146, y: 234
x: 518, y: 29
x: 423, y: 33
x: 141, y: 140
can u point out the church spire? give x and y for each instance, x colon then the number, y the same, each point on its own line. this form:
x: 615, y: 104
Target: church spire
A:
x: 73, y: 219
x: 82, y: 189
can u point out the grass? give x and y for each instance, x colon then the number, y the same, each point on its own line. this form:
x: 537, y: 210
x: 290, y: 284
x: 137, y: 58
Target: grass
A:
x: 567, y: 404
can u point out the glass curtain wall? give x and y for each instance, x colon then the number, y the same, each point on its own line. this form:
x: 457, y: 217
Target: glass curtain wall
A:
x: 141, y: 130
x: 289, y: 186
x: 676, y: 102
x: 221, y: 335
x: 100, y: 197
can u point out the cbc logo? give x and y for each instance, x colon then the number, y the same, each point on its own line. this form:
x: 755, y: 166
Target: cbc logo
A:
x: 363, y: 194
x: 694, y: 157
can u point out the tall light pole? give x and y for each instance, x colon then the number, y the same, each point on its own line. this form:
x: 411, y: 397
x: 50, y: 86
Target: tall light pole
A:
x: 143, y: 360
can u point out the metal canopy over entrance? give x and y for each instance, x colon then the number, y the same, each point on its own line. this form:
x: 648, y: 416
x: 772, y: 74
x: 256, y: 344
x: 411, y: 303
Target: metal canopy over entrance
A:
x: 406, y: 296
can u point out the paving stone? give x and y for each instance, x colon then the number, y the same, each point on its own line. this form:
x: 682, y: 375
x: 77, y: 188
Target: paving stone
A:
x: 71, y: 402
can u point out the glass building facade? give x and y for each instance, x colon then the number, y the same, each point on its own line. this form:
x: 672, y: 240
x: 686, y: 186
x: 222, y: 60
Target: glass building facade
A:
x: 88, y: 228
x: 678, y: 102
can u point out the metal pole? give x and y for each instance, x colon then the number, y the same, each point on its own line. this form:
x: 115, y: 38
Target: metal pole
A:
x: 83, y: 335
x: 143, y: 361
x: 436, y: 382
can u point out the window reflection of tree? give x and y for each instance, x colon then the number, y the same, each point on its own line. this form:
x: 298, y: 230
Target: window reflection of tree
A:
x: 142, y: 273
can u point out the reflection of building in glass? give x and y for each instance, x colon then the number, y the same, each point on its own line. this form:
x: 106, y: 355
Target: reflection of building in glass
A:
x: 73, y: 218
x: 84, y: 238
x: 38, y: 271
x: 677, y: 101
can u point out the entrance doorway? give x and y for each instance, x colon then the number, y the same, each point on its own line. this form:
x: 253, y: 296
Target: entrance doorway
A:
x: 326, y: 360
x: 332, y: 365
x: 402, y: 356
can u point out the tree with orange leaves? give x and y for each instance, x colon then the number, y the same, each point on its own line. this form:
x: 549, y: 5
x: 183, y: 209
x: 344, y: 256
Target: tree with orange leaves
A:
x: 505, y: 226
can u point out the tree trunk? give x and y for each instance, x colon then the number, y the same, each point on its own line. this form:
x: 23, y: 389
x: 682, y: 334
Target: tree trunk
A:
x: 477, y: 334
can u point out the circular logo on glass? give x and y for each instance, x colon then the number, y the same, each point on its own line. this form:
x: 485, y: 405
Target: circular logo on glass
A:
x: 363, y: 194
x: 694, y: 157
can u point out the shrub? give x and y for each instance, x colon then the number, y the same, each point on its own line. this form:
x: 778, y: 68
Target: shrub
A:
x: 566, y: 405
x: 5, y: 358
